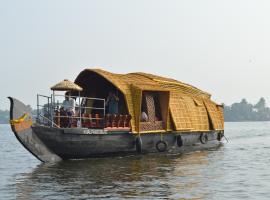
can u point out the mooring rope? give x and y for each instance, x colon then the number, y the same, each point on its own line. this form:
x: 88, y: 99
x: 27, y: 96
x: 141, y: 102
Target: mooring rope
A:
x: 226, y: 139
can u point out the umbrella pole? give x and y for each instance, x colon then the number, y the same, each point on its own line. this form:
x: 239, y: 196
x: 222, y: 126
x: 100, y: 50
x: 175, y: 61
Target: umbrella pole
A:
x: 52, y: 106
x: 80, y: 110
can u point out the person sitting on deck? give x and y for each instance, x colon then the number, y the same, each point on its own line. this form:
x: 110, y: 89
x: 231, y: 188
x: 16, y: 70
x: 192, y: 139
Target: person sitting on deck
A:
x: 112, y: 103
x: 69, y: 107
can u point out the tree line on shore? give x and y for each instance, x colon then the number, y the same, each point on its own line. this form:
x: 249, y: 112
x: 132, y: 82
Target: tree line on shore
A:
x: 237, y: 112
x: 4, y: 116
x: 245, y: 111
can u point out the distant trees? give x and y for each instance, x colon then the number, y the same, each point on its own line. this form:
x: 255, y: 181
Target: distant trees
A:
x: 4, y: 116
x: 245, y: 111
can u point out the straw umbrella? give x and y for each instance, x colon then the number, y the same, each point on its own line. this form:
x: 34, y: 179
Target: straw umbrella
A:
x: 67, y: 85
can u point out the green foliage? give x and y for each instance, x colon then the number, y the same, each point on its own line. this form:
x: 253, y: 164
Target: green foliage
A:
x: 245, y: 111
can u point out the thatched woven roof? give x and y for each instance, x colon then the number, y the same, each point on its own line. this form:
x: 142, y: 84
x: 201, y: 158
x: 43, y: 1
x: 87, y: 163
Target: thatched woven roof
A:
x: 66, y: 85
x: 191, y: 109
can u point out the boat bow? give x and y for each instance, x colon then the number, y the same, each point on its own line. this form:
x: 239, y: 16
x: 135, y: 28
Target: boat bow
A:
x: 21, y: 121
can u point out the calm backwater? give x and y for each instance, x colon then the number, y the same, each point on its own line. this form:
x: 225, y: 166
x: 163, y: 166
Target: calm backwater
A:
x: 239, y: 169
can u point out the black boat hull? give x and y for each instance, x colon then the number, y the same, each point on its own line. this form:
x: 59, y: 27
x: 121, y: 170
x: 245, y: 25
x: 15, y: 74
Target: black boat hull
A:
x: 51, y: 144
x: 75, y: 144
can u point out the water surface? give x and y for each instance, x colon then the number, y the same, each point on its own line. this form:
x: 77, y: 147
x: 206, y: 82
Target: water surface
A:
x: 237, y: 170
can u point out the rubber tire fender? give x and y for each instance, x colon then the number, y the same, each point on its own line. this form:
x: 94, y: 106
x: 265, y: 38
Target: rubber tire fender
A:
x: 220, y: 136
x: 203, y: 138
x: 179, y: 141
x: 159, y: 147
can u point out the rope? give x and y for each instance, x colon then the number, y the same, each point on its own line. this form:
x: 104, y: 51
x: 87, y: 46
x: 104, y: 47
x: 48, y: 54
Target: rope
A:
x: 226, y: 139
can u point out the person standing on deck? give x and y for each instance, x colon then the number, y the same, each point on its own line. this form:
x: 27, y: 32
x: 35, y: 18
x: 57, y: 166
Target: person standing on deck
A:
x: 112, y: 103
x: 69, y: 107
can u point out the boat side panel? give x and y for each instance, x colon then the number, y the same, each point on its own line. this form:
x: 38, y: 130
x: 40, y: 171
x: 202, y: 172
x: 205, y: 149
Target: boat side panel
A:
x: 75, y: 145
x: 189, y: 140
x: 69, y: 145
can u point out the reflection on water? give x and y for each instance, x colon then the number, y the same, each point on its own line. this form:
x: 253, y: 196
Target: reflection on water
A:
x: 135, y: 176
x: 237, y: 170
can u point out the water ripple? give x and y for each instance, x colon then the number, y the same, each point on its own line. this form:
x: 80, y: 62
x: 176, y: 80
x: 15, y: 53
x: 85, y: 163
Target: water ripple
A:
x: 236, y: 170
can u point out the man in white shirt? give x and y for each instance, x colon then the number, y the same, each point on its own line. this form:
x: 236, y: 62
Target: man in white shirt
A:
x: 69, y: 106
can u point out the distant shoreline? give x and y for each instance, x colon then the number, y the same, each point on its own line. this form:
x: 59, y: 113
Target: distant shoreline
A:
x: 237, y: 112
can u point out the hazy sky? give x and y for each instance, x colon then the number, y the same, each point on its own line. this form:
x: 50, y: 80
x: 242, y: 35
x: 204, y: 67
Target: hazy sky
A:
x: 220, y: 46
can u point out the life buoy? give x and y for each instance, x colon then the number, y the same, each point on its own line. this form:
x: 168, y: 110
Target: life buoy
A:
x: 161, y: 146
x: 138, y: 144
x: 179, y: 141
x: 203, y: 138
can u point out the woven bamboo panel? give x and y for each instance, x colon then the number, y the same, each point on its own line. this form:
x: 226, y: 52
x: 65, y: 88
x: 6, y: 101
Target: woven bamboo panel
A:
x: 150, y: 87
x: 137, y: 96
x: 221, y: 115
x: 174, y: 84
x: 180, y: 112
x: 215, y: 115
x: 150, y: 106
x: 203, y: 120
x: 198, y: 114
x: 137, y: 79
x: 170, y: 125
x: 151, y: 126
x: 188, y: 105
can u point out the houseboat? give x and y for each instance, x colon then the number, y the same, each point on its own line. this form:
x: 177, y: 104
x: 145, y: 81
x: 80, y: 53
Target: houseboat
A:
x: 107, y: 114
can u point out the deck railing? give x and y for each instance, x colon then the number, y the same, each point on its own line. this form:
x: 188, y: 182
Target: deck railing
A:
x: 50, y: 111
x: 44, y: 109
x: 88, y: 113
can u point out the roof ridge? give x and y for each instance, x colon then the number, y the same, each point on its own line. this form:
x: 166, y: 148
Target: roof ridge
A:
x: 171, y: 81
